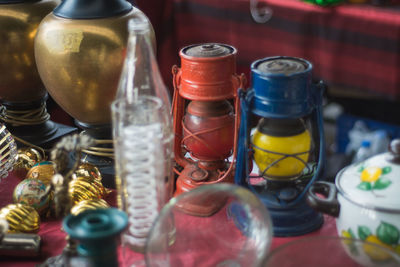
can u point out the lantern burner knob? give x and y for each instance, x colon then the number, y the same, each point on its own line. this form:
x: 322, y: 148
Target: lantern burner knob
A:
x: 208, y: 46
x: 288, y: 194
x: 199, y: 175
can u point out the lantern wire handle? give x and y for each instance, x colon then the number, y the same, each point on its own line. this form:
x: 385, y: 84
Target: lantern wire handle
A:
x: 242, y: 168
x: 321, y: 156
x: 284, y: 156
x: 260, y: 14
x: 177, y: 104
x: 241, y: 82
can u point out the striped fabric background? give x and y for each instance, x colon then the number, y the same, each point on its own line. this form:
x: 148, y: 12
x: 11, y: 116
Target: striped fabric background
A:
x: 355, y: 49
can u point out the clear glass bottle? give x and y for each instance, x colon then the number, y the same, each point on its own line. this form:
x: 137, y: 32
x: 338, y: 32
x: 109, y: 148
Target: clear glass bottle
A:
x: 140, y: 73
x: 142, y: 174
x: 141, y: 76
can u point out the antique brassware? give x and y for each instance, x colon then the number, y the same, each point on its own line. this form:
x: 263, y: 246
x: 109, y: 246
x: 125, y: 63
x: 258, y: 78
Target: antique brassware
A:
x: 19, y: 19
x: 20, y: 218
x: 43, y: 171
x: 80, y: 53
x: 27, y: 157
x: 89, y: 204
x: 22, y: 94
x: 79, y: 49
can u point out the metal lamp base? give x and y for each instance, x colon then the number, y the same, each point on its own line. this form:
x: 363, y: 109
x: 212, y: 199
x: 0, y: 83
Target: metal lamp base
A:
x: 192, y: 177
x: 43, y: 135
x: 294, y: 221
x: 105, y: 164
x: 289, y: 219
x: 34, y: 129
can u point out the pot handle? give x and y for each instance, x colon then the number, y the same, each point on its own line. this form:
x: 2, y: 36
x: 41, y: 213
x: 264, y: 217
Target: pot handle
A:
x: 329, y: 204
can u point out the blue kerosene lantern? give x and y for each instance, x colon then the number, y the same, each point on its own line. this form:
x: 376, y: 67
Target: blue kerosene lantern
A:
x: 287, y: 146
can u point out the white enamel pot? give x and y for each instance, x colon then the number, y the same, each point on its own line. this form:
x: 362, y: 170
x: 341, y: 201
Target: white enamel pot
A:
x: 365, y: 199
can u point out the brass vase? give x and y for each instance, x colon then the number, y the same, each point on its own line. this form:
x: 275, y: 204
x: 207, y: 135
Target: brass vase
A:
x: 22, y: 93
x: 80, y: 49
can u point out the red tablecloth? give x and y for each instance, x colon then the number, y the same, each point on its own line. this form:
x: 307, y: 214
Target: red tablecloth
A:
x: 354, y: 48
x: 53, y: 239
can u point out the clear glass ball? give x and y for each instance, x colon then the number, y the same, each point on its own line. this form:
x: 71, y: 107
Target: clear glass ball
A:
x: 211, y: 225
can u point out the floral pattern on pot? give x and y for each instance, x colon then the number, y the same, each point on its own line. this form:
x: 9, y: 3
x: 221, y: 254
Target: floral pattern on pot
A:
x: 385, y: 235
x: 373, y: 178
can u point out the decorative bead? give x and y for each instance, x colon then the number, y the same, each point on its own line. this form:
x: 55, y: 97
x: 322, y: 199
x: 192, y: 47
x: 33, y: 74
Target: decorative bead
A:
x: 32, y: 192
x: 83, y: 188
x: 43, y: 171
x: 20, y: 218
x: 26, y: 158
x: 86, y: 169
x: 89, y: 204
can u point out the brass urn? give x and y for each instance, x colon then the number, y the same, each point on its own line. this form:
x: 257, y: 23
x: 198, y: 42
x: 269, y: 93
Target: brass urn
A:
x: 22, y: 93
x: 80, y: 48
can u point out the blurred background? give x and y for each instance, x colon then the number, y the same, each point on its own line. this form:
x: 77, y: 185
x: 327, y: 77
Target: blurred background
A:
x: 354, y: 46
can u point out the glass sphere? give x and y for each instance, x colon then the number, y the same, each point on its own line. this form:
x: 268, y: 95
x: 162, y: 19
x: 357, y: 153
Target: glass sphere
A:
x: 281, y: 148
x: 236, y: 230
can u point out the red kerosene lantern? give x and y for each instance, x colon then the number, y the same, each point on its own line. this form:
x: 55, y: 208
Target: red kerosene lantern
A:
x: 205, y: 137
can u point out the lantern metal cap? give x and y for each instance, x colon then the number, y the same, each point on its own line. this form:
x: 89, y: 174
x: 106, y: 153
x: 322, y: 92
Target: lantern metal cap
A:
x: 282, y: 87
x: 281, y: 66
x: 208, y: 50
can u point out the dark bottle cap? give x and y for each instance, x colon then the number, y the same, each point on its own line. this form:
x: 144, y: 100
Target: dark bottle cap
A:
x: 16, y: 1
x: 91, y: 9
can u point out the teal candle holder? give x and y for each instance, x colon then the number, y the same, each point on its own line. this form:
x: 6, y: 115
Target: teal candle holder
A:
x: 97, y: 232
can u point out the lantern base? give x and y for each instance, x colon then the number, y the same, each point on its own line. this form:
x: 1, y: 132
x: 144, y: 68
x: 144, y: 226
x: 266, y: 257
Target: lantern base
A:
x: 203, y: 207
x: 289, y: 219
x: 102, y: 160
x: 294, y: 221
x: 191, y: 177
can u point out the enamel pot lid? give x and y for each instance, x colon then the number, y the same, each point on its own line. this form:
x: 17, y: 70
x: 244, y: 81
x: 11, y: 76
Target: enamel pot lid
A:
x: 375, y: 182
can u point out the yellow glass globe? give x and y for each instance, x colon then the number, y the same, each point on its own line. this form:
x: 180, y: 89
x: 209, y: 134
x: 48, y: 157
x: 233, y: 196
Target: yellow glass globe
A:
x: 286, y: 168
